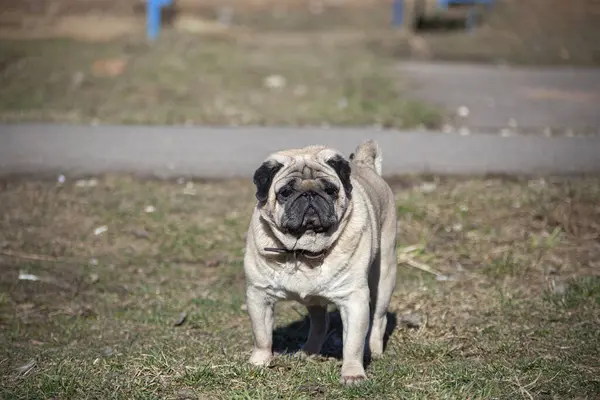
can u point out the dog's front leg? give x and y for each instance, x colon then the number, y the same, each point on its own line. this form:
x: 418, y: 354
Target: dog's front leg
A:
x: 260, y: 309
x: 355, y: 319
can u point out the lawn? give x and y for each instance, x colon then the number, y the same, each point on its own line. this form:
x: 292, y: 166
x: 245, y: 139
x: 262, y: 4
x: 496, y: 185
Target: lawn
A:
x: 133, y: 289
x: 223, y: 79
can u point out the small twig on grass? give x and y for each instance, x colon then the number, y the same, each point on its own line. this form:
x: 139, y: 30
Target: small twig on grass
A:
x: 27, y: 256
x: 423, y: 267
x: 410, y: 249
x: 403, y: 257
x: 524, y: 389
x: 39, y: 257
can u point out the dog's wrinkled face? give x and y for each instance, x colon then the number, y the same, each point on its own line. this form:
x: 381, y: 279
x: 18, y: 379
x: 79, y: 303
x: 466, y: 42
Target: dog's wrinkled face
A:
x: 304, y: 193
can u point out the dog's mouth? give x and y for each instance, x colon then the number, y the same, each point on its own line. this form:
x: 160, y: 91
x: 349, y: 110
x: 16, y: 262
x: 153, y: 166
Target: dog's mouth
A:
x: 311, y: 222
x: 309, y: 214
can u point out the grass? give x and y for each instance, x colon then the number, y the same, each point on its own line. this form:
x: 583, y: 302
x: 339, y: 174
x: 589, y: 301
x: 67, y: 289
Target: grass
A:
x: 513, y: 313
x: 196, y: 79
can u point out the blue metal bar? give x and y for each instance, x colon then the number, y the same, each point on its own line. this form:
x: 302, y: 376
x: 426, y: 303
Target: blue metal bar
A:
x: 153, y: 17
x: 446, y: 3
x: 398, y: 13
x: 398, y: 17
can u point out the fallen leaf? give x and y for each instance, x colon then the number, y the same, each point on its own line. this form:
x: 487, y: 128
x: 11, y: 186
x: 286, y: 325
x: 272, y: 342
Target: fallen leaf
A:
x: 23, y: 276
x: 100, y: 230
x: 140, y: 233
x: 109, y: 67
x: 181, y: 319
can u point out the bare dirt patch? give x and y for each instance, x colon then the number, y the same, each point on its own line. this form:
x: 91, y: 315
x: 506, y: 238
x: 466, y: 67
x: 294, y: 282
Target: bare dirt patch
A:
x: 498, y: 293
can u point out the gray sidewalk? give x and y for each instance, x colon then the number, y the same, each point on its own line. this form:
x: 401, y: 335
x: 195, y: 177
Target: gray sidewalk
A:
x: 236, y: 152
x: 561, y: 98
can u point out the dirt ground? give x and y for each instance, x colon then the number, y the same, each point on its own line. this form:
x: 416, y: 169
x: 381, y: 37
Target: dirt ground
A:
x: 115, y: 287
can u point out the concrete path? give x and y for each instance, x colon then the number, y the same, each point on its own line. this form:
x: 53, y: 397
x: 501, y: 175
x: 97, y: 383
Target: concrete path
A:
x: 558, y: 98
x: 237, y: 152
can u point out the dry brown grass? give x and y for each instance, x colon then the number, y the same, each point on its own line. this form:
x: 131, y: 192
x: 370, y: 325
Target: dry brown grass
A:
x: 513, y: 312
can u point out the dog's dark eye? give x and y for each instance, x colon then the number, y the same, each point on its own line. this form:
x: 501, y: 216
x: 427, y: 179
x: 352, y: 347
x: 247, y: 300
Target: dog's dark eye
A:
x: 285, y: 193
x: 331, y: 190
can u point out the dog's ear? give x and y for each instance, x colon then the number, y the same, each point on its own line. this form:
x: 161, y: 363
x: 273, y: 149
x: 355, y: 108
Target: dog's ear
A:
x: 263, y: 177
x: 342, y: 168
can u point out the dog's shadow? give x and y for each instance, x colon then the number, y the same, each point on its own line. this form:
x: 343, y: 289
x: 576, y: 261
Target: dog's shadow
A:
x: 289, y: 339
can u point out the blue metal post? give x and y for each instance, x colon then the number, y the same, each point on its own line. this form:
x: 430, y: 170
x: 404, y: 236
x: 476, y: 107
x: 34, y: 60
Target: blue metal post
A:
x: 397, y: 12
x: 153, y: 17
x: 443, y: 4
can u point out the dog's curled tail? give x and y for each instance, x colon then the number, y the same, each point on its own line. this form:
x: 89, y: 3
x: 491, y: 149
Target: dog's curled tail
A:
x: 368, y: 154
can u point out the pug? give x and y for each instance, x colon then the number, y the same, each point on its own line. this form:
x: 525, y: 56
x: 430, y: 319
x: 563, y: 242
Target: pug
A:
x: 323, y: 231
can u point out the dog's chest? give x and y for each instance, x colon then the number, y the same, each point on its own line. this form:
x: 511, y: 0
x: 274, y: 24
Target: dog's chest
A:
x: 306, y: 284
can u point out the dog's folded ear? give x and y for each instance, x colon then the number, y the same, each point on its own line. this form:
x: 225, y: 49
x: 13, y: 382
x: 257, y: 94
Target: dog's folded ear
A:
x: 342, y: 169
x: 263, y: 177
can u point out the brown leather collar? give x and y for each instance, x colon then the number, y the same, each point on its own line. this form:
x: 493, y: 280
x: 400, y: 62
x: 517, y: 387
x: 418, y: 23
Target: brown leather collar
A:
x: 298, y: 253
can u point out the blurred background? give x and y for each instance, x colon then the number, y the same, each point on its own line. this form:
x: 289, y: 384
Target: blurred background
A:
x: 231, y: 62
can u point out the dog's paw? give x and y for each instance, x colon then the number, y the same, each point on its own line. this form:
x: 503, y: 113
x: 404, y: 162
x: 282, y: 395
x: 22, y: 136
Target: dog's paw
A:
x: 351, y: 380
x: 353, y: 375
x: 260, y: 358
x: 376, y: 352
